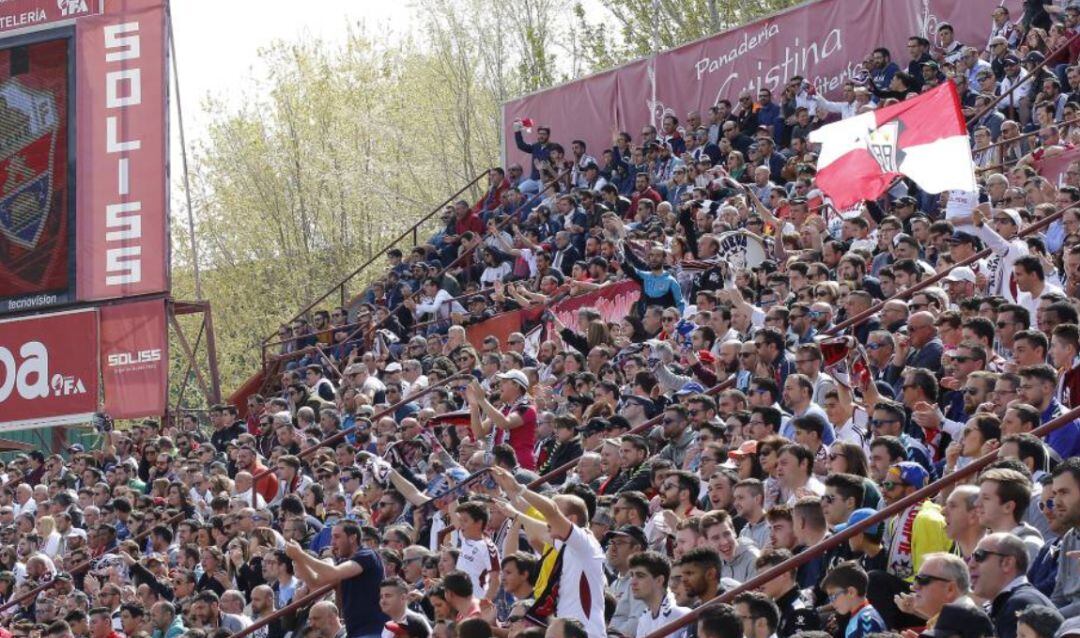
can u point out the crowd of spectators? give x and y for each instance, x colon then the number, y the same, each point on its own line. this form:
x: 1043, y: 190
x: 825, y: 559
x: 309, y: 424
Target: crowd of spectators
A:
x: 713, y: 431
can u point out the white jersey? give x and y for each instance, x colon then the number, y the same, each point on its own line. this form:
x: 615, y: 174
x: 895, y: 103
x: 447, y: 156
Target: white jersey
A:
x: 1006, y: 252
x: 478, y: 559
x: 581, y: 583
x: 668, y: 613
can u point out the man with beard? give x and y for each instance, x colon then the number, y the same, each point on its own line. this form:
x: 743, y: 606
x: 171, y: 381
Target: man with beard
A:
x: 658, y: 286
x: 262, y: 605
x: 359, y: 572
x: 206, y: 611
x: 699, y: 571
x: 1066, y: 495
x: 919, y: 529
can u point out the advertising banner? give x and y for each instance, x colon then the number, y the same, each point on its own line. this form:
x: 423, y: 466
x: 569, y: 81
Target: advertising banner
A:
x: 122, y: 128
x: 825, y: 42
x: 48, y: 370
x: 24, y: 14
x: 1053, y: 168
x: 134, y: 359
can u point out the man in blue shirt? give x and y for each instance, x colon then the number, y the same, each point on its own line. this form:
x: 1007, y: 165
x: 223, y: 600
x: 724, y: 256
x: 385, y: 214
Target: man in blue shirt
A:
x: 658, y: 286
x: 1038, y: 384
x: 769, y: 114
x: 359, y: 571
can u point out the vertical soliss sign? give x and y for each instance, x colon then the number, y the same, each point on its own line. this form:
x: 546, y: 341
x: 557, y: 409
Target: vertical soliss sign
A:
x: 122, y: 216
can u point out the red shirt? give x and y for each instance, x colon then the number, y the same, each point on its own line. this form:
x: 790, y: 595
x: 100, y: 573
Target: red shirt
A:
x: 523, y: 437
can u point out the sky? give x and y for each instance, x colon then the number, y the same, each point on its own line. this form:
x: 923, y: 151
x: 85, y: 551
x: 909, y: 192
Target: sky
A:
x: 218, y: 42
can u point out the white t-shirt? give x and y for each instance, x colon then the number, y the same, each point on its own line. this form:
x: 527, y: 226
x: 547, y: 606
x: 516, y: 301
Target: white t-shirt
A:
x: 669, y: 612
x: 581, y: 584
x: 478, y: 559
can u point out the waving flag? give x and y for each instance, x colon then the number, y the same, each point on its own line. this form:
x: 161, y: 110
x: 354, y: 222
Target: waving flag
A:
x: 923, y: 138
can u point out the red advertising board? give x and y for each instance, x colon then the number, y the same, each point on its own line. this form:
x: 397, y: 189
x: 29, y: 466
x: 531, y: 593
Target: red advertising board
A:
x: 122, y: 174
x: 48, y: 370
x: 17, y: 15
x: 134, y: 359
x: 823, y: 41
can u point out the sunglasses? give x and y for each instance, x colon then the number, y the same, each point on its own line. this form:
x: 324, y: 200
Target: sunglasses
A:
x: 980, y: 555
x: 1046, y: 505
x: 875, y: 423
x: 922, y: 580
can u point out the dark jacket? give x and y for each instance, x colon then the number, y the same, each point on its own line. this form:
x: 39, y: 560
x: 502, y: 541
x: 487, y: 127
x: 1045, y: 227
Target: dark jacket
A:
x: 562, y: 454
x: 1004, y: 607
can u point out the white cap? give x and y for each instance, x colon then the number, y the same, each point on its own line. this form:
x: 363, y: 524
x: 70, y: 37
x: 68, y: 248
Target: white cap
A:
x: 393, y: 367
x: 517, y: 376
x: 961, y: 273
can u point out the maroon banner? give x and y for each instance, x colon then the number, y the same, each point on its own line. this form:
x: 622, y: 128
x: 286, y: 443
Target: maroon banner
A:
x: 612, y: 302
x: 1053, y: 168
x: 134, y: 359
x: 823, y: 41
x: 48, y: 370
x: 26, y: 14
x: 121, y: 97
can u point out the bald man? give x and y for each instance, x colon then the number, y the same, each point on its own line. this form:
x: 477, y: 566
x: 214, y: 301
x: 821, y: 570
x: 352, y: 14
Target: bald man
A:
x: 324, y: 618
x: 919, y: 348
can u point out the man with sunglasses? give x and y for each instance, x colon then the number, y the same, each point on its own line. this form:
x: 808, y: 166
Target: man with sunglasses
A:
x: 998, y: 575
x: 919, y: 529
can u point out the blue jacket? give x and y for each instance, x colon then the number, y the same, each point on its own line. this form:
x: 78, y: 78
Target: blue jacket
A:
x: 537, y: 150
x: 1066, y: 439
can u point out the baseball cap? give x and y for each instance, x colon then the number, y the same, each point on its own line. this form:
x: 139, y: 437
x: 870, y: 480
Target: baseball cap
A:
x: 691, y: 387
x: 1034, y: 57
x: 1011, y: 214
x: 1010, y: 59
x: 859, y: 516
x: 960, y: 237
x: 961, y: 620
x: 517, y: 376
x: 393, y: 367
x: 631, y: 531
x: 961, y: 273
x: 909, y: 473
x: 747, y: 448
x: 77, y: 448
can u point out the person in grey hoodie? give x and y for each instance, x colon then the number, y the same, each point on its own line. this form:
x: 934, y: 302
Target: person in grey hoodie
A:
x: 1004, y: 496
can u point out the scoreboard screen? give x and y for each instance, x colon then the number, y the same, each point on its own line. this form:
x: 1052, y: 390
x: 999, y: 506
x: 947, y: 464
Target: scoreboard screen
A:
x: 36, y: 206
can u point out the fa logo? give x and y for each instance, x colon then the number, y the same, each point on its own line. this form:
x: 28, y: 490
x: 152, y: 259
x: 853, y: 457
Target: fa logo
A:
x: 71, y: 7
x: 881, y: 142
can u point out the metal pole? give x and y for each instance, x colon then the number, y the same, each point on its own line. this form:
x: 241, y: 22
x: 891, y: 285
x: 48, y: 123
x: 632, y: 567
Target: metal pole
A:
x: 183, y: 158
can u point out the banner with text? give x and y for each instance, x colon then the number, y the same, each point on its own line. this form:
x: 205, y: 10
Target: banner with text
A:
x: 122, y: 124
x: 26, y: 14
x: 48, y: 370
x: 134, y: 359
x: 825, y: 42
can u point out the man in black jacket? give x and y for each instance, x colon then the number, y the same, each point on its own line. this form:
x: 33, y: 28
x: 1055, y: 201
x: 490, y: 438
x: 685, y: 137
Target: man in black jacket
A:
x: 998, y: 567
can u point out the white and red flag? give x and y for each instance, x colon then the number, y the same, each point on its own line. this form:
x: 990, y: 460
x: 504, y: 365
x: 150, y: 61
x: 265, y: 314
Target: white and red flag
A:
x: 924, y: 138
